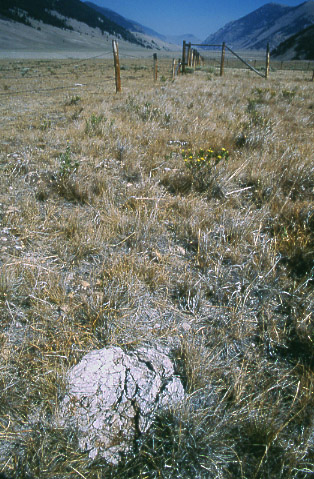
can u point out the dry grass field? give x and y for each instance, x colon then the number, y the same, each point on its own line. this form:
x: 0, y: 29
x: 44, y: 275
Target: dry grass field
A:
x: 177, y: 212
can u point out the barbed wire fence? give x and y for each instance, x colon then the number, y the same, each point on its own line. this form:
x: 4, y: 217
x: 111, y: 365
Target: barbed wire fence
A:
x: 210, y: 57
x: 84, y: 70
x: 222, y: 56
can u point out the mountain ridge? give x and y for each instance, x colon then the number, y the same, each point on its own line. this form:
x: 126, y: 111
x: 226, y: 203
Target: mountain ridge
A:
x: 58, y: 13
x: 136, y: 27
x: 272, y: 23
x: 297, y: 47
x: 128, y: 24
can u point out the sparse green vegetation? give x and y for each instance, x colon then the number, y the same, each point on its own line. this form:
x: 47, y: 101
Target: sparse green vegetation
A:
x: 179, y: 213
x: 93, y: 125
x: 202, y: 165
x: 67, y: 164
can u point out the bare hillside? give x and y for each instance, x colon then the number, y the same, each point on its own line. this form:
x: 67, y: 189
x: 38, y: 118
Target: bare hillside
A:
x: 272, y: 23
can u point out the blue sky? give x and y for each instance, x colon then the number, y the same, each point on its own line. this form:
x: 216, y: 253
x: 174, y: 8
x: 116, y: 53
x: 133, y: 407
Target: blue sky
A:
x: 176, y: 17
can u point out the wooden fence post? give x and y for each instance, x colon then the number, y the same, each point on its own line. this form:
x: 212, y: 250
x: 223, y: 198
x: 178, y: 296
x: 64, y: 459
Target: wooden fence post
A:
x: 155, y: 67
x: 116, y: 65
x: 189, y: 54
x: 267, y: 61
x: 222, y: 60
x: 183, y: 56
x: 192, y: 57
x: 179, y: 66
x: 173, y: 68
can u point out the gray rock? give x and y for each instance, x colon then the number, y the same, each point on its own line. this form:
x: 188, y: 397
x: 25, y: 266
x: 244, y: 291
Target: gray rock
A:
x: 112, y: 398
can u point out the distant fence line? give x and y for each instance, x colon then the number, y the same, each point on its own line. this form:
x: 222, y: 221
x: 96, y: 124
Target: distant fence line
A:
x: 219, y: 54
x: 191, y: 57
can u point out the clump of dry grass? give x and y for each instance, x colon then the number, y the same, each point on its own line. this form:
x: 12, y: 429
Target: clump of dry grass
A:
x: 107, y: 237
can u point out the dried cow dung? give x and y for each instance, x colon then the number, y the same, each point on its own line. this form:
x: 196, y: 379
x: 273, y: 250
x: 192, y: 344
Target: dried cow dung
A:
x: 112, y: 397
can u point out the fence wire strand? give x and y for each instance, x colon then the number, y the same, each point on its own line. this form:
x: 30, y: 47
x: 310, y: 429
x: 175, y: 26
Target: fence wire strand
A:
x: 44, y: 90
x: 77, y: 66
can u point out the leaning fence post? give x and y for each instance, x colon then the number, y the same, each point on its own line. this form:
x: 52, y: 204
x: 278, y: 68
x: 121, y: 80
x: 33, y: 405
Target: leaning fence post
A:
x: 183, y: 56
x: 116, y: 65
x: 155, y: 67
x: 267, y: 61
x: 222, y: 60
